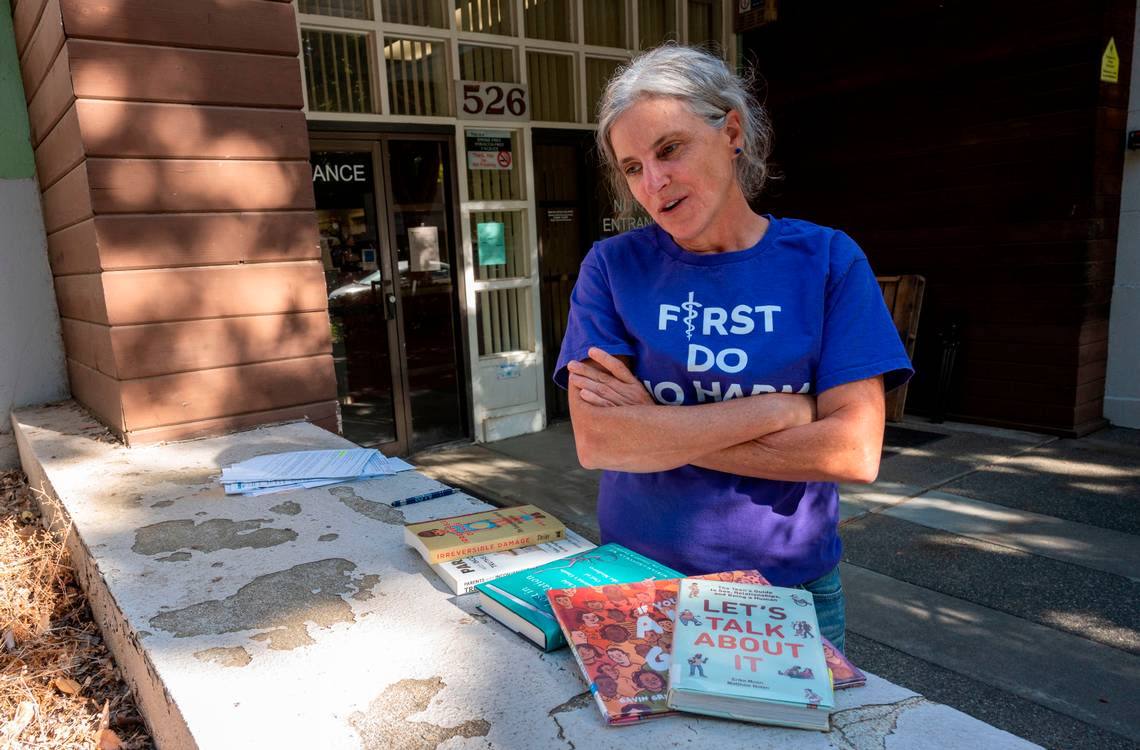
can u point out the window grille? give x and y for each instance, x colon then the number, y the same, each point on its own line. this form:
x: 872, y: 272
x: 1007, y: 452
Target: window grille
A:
x: 358, y: 9
x: 338, y: 73
x: 417, y: 77
x: 551, y: 86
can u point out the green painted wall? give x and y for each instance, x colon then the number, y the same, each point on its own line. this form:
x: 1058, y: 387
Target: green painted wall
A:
x: 16, y: 161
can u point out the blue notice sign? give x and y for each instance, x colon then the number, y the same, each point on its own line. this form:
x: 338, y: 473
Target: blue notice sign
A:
x: 492, y: 243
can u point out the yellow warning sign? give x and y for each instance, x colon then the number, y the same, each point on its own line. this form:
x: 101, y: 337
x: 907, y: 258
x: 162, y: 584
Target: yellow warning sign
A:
x: 1110, y: 63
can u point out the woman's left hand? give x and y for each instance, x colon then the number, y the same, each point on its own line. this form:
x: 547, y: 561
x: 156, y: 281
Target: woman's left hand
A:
x: 606, y: 381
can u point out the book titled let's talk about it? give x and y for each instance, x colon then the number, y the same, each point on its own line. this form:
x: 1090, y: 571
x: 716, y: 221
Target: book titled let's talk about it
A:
x: 751, y: 652
x: 482, y: 533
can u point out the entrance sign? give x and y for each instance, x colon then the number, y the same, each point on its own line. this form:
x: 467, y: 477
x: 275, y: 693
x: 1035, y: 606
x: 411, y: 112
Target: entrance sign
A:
x: 489, y: 149
x: 481, y: 100
x: 424, y: 243
x: 340, y: 179
x: 492, y: 244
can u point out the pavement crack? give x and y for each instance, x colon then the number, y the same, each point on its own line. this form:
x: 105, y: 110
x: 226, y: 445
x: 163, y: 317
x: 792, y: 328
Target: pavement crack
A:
x: 578, y: 701
x: 867, y: 727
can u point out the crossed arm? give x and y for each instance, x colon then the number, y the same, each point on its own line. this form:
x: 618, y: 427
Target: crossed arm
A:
x: 835, y: 436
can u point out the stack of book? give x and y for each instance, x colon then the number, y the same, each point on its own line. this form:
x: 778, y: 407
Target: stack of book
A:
x: 278, y: 472
x: 648, y: 641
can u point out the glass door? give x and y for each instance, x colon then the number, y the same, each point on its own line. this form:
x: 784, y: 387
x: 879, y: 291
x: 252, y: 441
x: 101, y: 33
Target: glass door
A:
x: 418, y: 171
x: 361, y: 293
x: 385, y: 211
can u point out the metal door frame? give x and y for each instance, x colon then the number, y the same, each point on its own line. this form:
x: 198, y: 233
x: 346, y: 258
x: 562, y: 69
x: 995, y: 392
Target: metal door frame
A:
x: 376, y: 143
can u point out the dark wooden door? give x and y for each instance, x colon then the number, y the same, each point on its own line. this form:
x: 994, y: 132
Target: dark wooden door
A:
x: 567, y: 196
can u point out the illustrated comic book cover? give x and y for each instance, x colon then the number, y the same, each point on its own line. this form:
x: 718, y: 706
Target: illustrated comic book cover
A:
x: 621, y: 636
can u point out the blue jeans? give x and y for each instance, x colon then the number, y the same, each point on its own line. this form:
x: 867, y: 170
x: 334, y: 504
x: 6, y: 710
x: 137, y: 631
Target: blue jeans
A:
x: 827, y: 591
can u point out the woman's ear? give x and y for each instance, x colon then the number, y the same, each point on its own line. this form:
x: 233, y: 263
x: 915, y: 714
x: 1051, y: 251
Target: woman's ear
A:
x: 733, y: 129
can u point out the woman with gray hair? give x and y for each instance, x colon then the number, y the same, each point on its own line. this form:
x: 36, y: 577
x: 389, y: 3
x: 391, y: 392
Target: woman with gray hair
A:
x: 771, y: 333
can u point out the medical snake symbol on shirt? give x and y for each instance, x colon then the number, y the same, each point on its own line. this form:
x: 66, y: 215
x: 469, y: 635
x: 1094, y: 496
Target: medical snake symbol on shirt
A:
x: 691, y: 308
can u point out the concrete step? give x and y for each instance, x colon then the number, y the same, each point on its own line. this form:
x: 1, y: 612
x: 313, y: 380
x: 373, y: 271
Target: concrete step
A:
x: 301, y: 620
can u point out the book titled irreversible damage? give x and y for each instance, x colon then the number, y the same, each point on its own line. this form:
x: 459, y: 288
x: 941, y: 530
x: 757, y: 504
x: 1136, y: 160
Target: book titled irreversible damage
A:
x: 481, y: 533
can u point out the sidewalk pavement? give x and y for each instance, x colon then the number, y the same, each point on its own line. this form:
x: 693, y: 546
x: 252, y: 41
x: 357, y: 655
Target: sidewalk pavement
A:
x: 995, y: 571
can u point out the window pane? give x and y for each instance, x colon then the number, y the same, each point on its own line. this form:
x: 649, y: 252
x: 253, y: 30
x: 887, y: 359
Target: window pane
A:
x: 414, y: 12
x: 504, y: 317
x: 598, y: 73
x: 656, y: 22
x: 338, y: 74
x: 549, y: 19
x: 500, y: 245
x: 485, y: 16
x: 487, y: 180
x: 551, y: 85
x: 704, y: 24
x: 605, y: 23
x: 417, y: 77
x: 361, y: 9
x: 486, y: 63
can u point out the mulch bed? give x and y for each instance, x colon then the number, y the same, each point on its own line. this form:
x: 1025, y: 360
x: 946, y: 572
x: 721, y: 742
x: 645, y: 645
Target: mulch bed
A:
x: 59, y: 685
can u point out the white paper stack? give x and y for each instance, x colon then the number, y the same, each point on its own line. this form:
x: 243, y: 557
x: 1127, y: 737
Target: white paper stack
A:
x: 278, y: 472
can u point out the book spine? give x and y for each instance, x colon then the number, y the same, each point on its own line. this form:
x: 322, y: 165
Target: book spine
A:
x: 500, y: 545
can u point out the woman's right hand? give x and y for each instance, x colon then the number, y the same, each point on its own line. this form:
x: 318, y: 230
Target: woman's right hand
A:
x: 605, y: 380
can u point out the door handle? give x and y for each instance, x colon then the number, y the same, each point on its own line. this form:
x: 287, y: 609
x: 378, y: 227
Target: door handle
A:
x: 388, y: 305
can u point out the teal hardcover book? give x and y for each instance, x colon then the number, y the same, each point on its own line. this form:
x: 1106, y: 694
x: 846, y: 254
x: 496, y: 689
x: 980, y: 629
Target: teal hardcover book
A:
x: 519, y: 600
x: 749, y: 651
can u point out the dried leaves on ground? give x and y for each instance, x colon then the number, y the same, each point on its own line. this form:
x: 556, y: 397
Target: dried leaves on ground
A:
x: 59, y: 686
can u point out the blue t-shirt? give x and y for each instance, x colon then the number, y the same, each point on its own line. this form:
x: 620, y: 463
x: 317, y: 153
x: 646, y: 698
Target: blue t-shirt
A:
x: 799, y: 312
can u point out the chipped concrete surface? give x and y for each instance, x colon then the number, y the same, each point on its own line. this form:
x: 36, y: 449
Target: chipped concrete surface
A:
x: 208, y: 536
x: 386, y: 725
x: 280, y: 604
x: 288, y: 508
x: 234, y: 656
x: 340, y: 637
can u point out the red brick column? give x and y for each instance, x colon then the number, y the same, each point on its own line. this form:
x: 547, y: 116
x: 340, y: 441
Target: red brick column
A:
x: 173, y: 160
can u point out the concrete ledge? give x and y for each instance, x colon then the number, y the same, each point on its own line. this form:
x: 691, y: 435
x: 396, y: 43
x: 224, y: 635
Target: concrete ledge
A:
x: 301, y: 619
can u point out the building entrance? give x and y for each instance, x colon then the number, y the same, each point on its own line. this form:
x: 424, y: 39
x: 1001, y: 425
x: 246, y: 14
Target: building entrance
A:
x: 385, y: 209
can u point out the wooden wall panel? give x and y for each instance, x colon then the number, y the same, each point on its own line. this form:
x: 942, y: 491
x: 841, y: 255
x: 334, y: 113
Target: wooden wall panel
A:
x: 137, y: 130
x: 242, y: 25
x: 60, y: 151
x: 139, y: 241
x: 323, y: 414
x: 105, y: 70
x: 135, y: 297
x: 90, y: 345
x: 208, y: 394
x: 68, y: 201
x: 73, y: 250
x: 25, y: 15
x: 177, y: 195
x: 170, y: 185
x: 164, y: 348
x: 99, y: 393
x: 81, y: 297
x: 988, y: 163
x: 43, y: 46
x: 52, y: 99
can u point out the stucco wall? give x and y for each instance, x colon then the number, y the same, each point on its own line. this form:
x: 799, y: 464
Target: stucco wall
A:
x: 32, y: 367
x: 1122, y: 386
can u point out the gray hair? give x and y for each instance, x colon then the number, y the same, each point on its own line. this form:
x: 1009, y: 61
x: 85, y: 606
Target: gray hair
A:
x: 710, y: 91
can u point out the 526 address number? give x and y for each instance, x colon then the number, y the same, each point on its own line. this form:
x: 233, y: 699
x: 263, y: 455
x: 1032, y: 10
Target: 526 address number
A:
x: 493, y: 101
